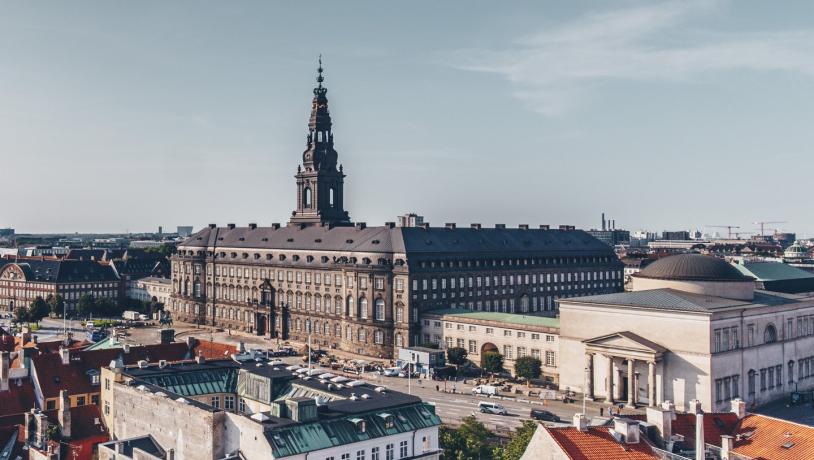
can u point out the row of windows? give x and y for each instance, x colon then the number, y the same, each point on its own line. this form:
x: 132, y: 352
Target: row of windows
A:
x: 515, y: 262
x: 511, y: 280
x: 375, y: 452
x: 326, y: 330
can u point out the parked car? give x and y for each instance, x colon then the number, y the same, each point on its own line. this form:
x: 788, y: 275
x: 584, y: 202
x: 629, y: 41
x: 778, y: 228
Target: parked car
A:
x: 544, y: 415
x: 390, y: 371
x: 490, y: 390
x: 491, y: 408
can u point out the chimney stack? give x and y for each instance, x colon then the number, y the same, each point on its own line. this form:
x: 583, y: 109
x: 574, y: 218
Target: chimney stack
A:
x: 726, y: 446
x: 695, y: 407
x: 739, y: 408
x: 700, y: 446
x: 603, y: 221
x: 5, y: 364
x: 65, y: 354
x: 581, y: 422
x: 64, y: 413
x: 663, y: 421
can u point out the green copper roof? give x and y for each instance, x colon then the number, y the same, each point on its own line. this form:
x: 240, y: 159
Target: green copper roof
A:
x: 108, y: 343
x: 196, y: 383
x: 512, y: 318
x: 772, y: 271
x: 324, y: 434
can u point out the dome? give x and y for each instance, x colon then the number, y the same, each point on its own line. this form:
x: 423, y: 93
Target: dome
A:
x: 796, y: 251
x: 692, y: 267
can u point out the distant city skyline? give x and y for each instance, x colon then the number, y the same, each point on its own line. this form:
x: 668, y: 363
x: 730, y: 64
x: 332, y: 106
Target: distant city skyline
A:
x: 665, y: 116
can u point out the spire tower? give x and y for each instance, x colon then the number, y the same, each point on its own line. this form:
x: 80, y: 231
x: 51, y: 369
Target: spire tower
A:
x: 320, y: 182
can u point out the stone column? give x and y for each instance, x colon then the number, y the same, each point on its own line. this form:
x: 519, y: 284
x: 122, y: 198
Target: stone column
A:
x: 610, y: 379
x: 651, y: 383
x: 631, y: 382
x: 589, y: 375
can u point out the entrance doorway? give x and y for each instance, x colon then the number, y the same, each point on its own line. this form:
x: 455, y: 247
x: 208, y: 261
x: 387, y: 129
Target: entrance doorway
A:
x: 487, y: 347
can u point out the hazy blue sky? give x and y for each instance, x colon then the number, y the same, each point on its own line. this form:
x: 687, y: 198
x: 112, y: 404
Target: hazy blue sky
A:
x: 122, y: 116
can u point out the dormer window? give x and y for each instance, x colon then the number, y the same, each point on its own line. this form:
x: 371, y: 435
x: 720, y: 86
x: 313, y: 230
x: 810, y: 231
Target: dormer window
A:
x: 359, y: 424
x: 389, y: 420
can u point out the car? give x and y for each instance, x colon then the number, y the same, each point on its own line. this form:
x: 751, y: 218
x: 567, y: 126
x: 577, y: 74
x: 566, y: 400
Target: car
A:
x: 491, y: 408
x: 544, y: 415
x: 390, y: 371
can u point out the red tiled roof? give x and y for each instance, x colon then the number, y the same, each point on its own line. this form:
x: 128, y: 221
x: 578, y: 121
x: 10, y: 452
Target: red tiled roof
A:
x: 18, y: 399
x: 769, y: 435
x: 715, y: 425
x: 598, y: 444
x: 83, y: 422
x: 213, y: 350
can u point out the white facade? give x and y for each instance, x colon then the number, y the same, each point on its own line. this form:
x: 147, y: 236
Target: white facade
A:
x: 145, y: 289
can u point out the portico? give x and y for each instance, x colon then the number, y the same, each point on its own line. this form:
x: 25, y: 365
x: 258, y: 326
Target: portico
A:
x: 625, y: 356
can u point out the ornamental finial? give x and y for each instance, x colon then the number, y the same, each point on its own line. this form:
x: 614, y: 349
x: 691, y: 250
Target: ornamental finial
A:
x: 320, y: 78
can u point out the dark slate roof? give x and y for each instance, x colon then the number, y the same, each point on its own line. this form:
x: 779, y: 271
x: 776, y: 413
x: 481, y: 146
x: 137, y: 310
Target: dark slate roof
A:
x: 672, y: 299
x: 773, y: 271
x: 692, y: 267
x: 402, y: 239
x: 65, y: 271
x: 85, y: 254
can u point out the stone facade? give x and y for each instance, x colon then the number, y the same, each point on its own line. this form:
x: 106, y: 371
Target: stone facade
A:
x: 362, y: 289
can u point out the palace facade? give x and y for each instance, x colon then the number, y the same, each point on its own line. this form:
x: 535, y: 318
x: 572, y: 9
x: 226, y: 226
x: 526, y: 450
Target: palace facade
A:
x: 361, y: 288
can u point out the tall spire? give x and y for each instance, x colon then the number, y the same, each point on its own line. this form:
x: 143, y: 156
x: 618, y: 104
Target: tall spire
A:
x: 319, y: 181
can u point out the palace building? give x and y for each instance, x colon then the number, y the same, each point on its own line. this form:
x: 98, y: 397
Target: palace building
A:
x: 361, y: 288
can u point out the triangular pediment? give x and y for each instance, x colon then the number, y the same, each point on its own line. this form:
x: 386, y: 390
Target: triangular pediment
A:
x: 624, y: 340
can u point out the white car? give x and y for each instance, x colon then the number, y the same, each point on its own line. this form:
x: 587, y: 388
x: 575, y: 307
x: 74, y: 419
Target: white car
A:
x: 391, y: 371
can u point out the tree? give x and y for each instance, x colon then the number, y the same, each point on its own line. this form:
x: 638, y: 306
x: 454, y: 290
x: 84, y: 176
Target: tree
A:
x: 469, y: 441
x: 106, y: 307
x: 38, y: 310
x: 527, y: 367
x: 56, y: 303
x: 86, y: 305
x: 165, y: 249
x: 456, y: 355
x: 519, y: 441
x: 21, y: 315
x: 492, y: 362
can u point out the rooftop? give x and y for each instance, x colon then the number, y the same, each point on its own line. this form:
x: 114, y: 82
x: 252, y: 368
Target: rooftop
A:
x: 772, y: 271
x: 675, y: 300
x: 597, y: 443
x: 692, y: 267
x: 510, y: 318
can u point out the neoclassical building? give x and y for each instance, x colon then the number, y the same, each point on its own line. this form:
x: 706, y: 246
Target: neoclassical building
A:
x: 693, y: 327
x: 362, y: 289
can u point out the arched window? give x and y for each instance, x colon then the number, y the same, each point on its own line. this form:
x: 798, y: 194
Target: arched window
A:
x: 399, y: 315
x: 524, y: 304
x: 399, y: 341
x: 306, y: 197
x: 331, y: 197
x: 363, y: 308
x: 328, y: 307
x: 338, y: 305
x: 379, y: 310
x: 770, y: 334
x: 348, y: 333
x: 349, y: 306
x: 751, y: 381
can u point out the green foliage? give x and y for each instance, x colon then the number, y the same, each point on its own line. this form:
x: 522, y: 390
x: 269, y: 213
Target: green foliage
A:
x: 21, y: 315
x: 528, y: 367
x: 518, y: 443
x: 456, y: 355
x: 104, y: 323
x: 432, y: 345
x: 86, y: 305
x: 166, y: 249
x: 56, y: 304
x: 492, y: 362
x: 469, y: 441
x: 38, y: 310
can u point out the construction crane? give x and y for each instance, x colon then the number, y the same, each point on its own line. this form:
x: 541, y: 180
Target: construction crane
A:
x: 763, y: 223
x: 727, y: 227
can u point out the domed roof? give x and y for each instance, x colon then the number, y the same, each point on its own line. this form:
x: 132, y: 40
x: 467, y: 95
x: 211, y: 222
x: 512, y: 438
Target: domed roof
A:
x: 796, y: 251
x: 692, y: 267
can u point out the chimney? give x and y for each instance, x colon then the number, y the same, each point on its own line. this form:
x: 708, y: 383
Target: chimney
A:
x: 241, y: 347
x: 726, y: 446
x: 390, y: 224
x: 613, y: 224
x: 64, y: 413
x: 162, y: 363
x: 603, y: 221
x: 581, y: 422
x: 475, y: 226
x: 170, y: 454
x: 190, y: 342
x: 738, y: 408
x: 361, y: 225
x: 275, y: 225
x: 200, y: 359
x: 450, y: 225
x: 662, y: 419
x: 671, y: 407
x: 166, y: 335
x: 695, y: 407
x: 523, y: 226
x: 213, y: 225
x: 252, y: 226
x: 545, y: 227
x: 425, y: 225
x: 500, y: 226
x: 126, y: 348
x: 65, y: 354
x: 700, y: 446
x: 230, y: 226
x: 5, y: 364
x: 628, y: 428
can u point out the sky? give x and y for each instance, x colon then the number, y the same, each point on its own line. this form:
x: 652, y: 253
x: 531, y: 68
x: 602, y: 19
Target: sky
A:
x: 123, y: 116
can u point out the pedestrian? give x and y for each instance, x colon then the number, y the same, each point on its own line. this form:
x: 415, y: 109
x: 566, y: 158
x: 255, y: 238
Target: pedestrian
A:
x: 437, y: 388
x: 601, y: 411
